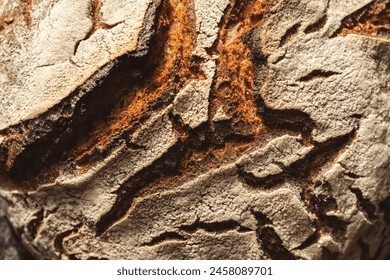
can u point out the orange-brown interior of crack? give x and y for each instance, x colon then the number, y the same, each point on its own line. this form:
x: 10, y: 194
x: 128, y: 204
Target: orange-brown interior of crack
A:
x: 233, y: 88
x: 235, y: 73
x: 172, y: 55
x: 376, y: 18
x: 96, y: 15
x: 235, y: 69
x: 174, y: 66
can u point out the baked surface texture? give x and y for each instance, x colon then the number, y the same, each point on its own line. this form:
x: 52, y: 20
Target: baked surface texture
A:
x: 195, y: 129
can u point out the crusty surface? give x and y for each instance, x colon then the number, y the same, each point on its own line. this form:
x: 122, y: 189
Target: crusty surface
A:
x: 182, y: 129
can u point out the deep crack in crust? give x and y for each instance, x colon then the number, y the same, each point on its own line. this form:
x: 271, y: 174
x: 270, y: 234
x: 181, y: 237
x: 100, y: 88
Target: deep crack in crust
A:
x: 227, y: 142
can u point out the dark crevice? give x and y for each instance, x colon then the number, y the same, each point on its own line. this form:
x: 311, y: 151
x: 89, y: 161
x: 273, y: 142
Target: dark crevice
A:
x: 90, y: 33
x: 317, y: 26
x: 319, y: 200
x: 65, y: 132
x: 166, y: 236
x: 269, y: 241
x: 216, y: 227
x: 356, y: 116
x: 73, y: 257
x: 285, y: 120
x: 305, y: 168
x: 322, y: 201
x: 34, y: 225
x: 252, y: 39
x: 167, y: 165
x: 317, y: 74
x: 333, y: 225
x: 312, y: 239
x: 364, y: 204
x: 59, y: 239
x: 273, y: 245
x: 320, y: 23
x: 173, y: 163
x: 69, y: 124
x: 123, y: 202
x: 352, y: 175
x: 290, y: 33
x: 261, y: 219
x: 91, y: 258
x: 280, y: 58
x: 97, y: 22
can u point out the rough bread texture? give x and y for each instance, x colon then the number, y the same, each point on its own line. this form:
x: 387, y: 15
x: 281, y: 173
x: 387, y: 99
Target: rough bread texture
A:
x: 195, y: 129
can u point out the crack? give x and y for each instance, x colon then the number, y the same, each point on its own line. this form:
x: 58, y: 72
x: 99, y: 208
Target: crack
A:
x: 333, y: 225
x: 251, y: 39
x: 319, y: 200
x: 97, y: 22
x: 173, y: 167
x: 280, y: 58
x: 302, y: 169
x: 167, y: 68
x: 59, y: 240
x: 352, y: 175
x: 89, y: 258
x: 45, y: 65
x: 289, y: 119
x: 72, y: 136
x: 317, y: 74
x: 67, y: 126
x: 269, y: 241
x: 215, y: 227
x: 167, y: 171
x: 364, y: 204
x: 91, y: 32
x: 317, y: 26
x: 166, y: 165
x: 165, y: 237
x: 320, y: 23
x: 290, y: 33
x: 312, y: 239
x: 55, y: 129
x: 233, y: 85
x: 272, y: 244
x: 356, y: 116
x: 36, y: 224
x: 286, y: 121
x: 372, y: 19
